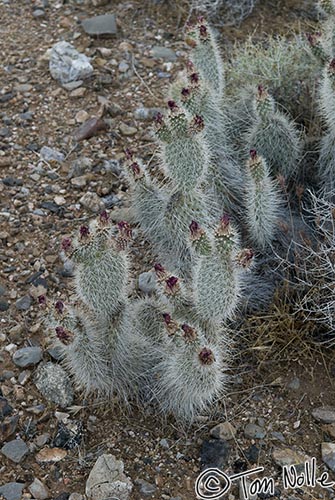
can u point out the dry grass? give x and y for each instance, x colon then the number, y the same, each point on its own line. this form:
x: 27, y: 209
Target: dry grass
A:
x: 282, y: 334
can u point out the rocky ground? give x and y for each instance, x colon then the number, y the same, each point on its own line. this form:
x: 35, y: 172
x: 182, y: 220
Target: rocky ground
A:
x: 61, y: 153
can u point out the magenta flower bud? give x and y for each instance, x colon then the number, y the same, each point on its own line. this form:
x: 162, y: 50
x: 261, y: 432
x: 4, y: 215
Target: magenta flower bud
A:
x: 194, y: 78
x: 160, y: 271
x: 172, y: 105
x: 59, y: 306
x: 136, y: 169
x: 225, y: 221
x: 42, y: 301
x: 332, y: 66
x: 167, y: 318
x: 224, y: 226
x: 159, y: 118
x: 66, y: 244
x: 185, y: 92
x: 313, y: 38
x: 171, y: 325
x: 63, y: 335
x: 198, y: 123
x: 262, y: 93
x: 206, y: 356
x: 128, y: 153
x: 189, y: 333
x: 245, y: 257
x: 189, y: 65
x: 104, y: 218
x: 125, y: 229
x: 194, y: 227
x: 172, y: 285
x: 84, y: 232
x: 203, y: 31
x: 196, y: 231
x: 172, y: 281
x: 253, y: 154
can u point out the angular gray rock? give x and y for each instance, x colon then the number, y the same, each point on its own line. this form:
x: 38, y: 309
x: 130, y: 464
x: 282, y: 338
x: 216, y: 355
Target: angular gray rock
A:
x: 288, y: 456
x: 66, y: 64
x: 92, y: 202
x: 38, y: 490
x: 328, y: 454
x: 325, y: 414
x: 50, y: 154
x: 12, y: 491
x: 27, y: 356
x: 107, y: 480
x: 100, y: 25
x: 24, y: 303
x: 147, y: 113
x: 224, y: 430
x: 15, y: 450
x: 165, y: 53
x: 145, y: 488
x: 253, y: 431
x: 54, y: 383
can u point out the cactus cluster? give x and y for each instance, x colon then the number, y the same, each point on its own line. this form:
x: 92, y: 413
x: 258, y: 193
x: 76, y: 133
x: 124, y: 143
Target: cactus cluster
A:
x: 216, y: 220
x: 225, y: 12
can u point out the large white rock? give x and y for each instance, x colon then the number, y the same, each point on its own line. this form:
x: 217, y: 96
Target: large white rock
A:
x: 66, y: 64
x: 107, y: 480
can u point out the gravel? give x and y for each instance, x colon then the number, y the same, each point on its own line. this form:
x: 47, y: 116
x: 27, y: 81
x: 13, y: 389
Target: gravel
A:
x: 54, y: 383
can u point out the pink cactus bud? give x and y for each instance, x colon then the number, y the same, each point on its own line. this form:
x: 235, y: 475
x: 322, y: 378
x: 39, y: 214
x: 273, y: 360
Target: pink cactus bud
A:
x: 313, y: 39
x: 203, y: 31
x: 129, y: 154
x: 245, y: 257
x: 194, y: 227
x: 167, y: 318
x: 42, y: 301
x: 84, y: 232
x: 196, y: 231
x: 189, y: 65
x: 136, y: 169
x: 194, y: 78
x: 104, y: 218
x: 225, y: 221
x: 172, y: 285
x: 253, y: 154
x: 63, y: 335
x: 159, y: 118
x: 66, y: 244
x: 172, y: 105
x: 189, y: 333
x: 224, y: 226
x: 171, y: 326
x: 160, y: 271
x: 59, y: 306
x: 124, y: 229
x: 332, y: 66
x: 206, y: 356
x: 198, y: 123
x: 185, y: 92
x: 262, y: 92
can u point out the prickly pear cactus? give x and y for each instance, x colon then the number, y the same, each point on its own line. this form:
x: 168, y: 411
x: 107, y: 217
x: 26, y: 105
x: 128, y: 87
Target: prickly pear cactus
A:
x: 206, y: 215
